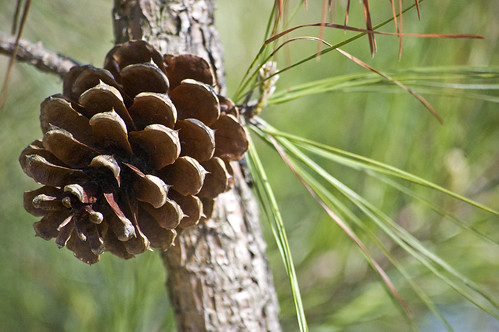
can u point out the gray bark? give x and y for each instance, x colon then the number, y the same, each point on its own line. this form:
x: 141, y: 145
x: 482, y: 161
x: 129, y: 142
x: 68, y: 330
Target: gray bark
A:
x: 218, y: 275
x: 36, y: 55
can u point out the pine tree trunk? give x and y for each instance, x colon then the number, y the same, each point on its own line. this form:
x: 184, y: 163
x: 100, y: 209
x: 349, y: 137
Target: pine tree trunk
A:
x: 218, y: 275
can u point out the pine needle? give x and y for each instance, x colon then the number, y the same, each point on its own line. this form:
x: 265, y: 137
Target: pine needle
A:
x: 443, y: 81
x: 369, y: 26
x: 269, y: 204
x: 412, y: 92
x: 367, y: 31
x: 323, y: 22
x: 447, y: 273
x: 343, y: 226
x: 329, y: 152
x: 3, y: 93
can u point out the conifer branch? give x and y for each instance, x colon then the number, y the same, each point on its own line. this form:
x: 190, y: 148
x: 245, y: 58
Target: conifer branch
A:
x: 37, y: 55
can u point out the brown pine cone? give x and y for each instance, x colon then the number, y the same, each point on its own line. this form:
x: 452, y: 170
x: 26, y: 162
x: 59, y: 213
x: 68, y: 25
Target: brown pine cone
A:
x: 131, y: 154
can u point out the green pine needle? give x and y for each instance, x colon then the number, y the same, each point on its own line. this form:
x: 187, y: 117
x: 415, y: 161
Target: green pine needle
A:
x: 269, y: 204
x: 293, y: 146
x: 425, y: 80
x: 334, y: 154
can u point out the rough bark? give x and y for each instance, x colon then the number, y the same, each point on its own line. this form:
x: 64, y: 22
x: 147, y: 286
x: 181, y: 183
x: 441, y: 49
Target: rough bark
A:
x: 218, y: 275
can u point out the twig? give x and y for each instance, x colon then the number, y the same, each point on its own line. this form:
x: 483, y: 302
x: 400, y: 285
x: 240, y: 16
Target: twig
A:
x: 37, y: 55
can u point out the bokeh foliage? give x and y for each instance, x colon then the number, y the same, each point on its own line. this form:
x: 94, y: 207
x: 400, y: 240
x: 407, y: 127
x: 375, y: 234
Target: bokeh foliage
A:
x: 45, y: 289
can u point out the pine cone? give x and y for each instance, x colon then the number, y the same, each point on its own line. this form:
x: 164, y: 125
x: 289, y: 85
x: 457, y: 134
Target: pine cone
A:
x: 131, y: 154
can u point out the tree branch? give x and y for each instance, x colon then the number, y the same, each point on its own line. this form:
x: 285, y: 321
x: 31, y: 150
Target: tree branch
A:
x: 37, y: 55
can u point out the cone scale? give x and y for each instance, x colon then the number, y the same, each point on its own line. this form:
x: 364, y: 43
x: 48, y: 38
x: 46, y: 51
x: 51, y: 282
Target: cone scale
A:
x: 131, y: 154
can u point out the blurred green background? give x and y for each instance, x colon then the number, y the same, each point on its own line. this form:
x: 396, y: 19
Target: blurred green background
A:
x: 46, y: 289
